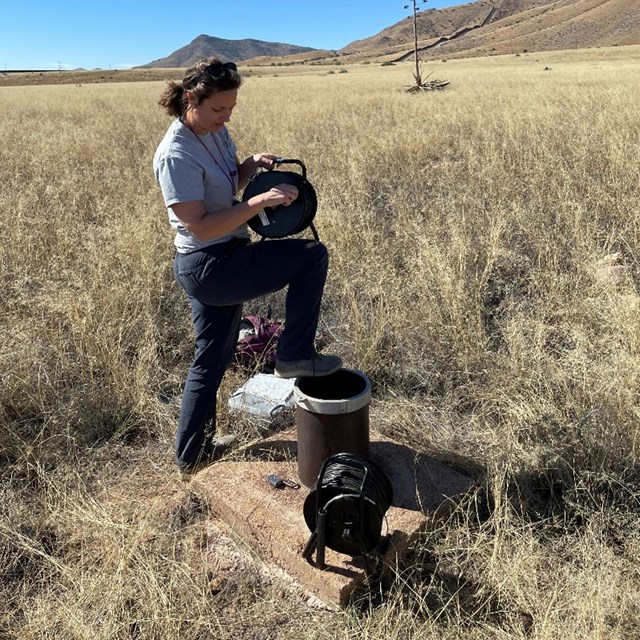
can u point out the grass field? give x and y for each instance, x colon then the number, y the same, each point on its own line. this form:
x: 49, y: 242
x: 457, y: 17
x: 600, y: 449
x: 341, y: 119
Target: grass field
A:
x: 485, y: 248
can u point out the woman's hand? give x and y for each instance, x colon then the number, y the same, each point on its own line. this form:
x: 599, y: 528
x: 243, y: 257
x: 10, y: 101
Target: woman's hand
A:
x: 282, y: 194
x: 251, y: 165
x: 263, y: 161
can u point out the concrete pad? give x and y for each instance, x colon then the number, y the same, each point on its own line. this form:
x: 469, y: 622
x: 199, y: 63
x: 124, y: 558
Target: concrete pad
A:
x: 271, y: 519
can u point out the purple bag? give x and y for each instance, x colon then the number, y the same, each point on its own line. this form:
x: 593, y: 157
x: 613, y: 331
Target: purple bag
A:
x: 258, y: 341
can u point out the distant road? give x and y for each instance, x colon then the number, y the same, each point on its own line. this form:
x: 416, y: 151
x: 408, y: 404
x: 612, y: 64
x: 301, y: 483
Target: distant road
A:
x: 31, y: 71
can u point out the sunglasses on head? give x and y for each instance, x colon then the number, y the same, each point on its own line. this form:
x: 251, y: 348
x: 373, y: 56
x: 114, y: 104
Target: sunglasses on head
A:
x: 217, y: 70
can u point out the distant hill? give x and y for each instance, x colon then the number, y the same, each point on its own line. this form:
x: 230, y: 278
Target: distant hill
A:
x: 489, y: 27
x: 237, y: 50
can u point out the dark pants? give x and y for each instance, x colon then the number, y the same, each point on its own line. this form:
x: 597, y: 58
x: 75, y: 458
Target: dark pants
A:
x: 217, y: 281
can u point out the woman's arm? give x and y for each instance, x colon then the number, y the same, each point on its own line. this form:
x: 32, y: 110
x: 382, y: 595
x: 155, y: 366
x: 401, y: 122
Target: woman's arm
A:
x: 215, y: 224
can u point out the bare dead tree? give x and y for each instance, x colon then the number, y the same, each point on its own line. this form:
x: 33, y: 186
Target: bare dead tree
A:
x: 416, y: 9
x: 420, y: 85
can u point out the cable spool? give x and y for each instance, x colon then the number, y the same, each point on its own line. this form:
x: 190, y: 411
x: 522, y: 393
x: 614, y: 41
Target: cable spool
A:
x: 346, y: 507
x: 281, y: 221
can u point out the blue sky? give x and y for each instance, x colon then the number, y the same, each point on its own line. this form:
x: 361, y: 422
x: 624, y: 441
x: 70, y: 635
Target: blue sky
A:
x: 67, y: 34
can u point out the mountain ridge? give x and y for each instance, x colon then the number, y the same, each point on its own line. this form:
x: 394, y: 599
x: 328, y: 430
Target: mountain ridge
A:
x: 204, y: 46
x: 479, y: 28
x: 492, y: 27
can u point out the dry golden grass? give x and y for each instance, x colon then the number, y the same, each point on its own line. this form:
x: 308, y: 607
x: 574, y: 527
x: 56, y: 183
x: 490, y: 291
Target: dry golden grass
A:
x: 485, y: 244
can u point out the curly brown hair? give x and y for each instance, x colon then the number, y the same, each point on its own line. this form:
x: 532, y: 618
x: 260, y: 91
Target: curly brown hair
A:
x: 203, y: 79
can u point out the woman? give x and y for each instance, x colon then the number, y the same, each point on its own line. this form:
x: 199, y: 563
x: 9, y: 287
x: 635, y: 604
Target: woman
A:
x: 219, y: 268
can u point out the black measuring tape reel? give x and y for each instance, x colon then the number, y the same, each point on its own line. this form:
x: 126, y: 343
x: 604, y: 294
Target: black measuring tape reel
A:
x: 346, y: 507
x: 281, y: 221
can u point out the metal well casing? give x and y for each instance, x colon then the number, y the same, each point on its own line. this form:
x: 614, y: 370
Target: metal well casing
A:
x: 332, y: 416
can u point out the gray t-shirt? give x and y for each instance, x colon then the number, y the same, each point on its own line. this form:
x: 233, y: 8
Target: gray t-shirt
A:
x: 190, y: 167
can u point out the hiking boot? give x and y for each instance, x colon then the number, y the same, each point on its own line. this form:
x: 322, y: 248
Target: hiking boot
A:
x: 219, y: 446
x: 319, y: 365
